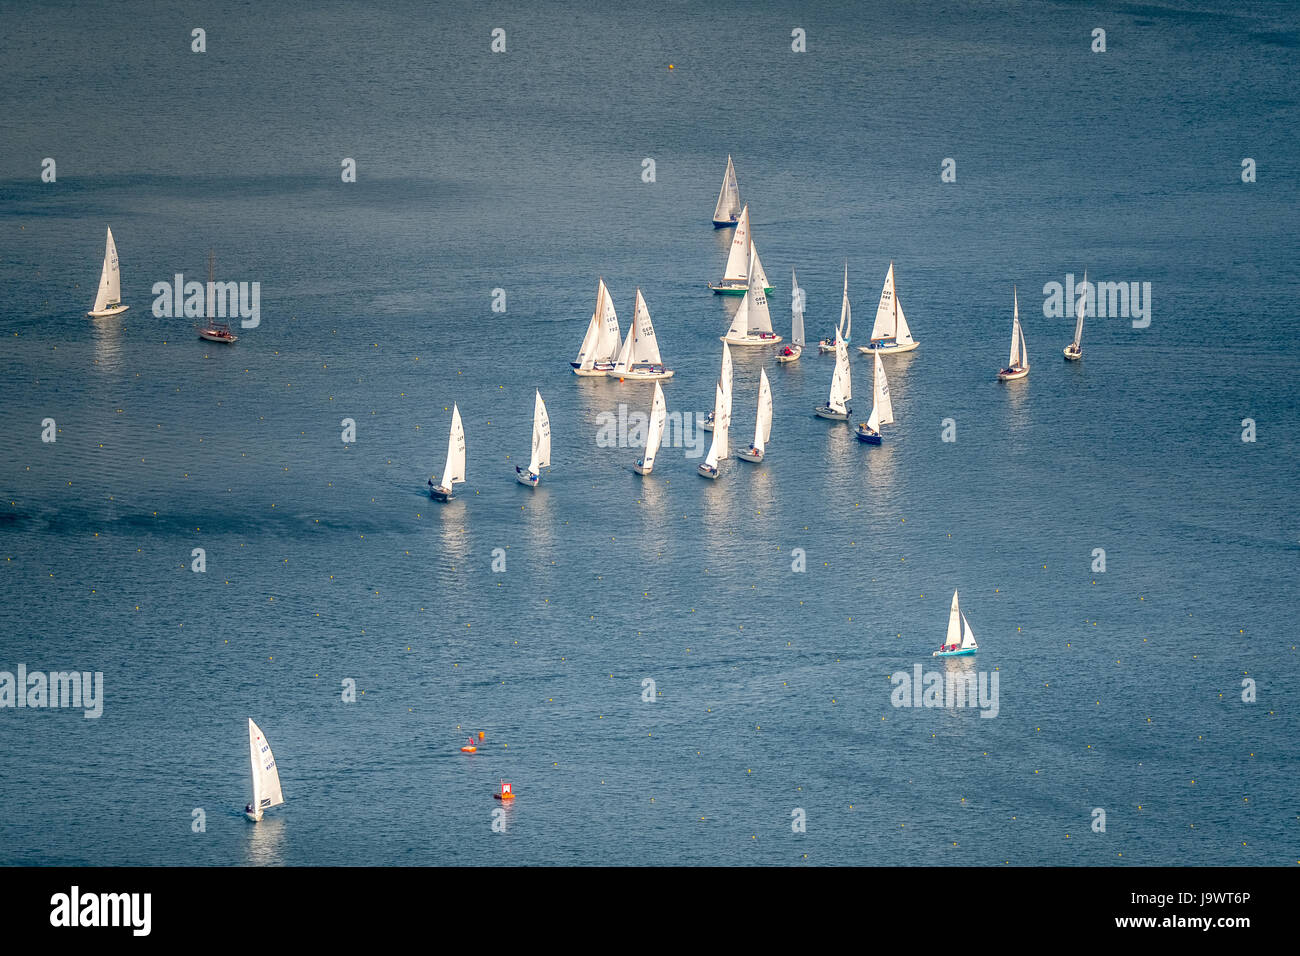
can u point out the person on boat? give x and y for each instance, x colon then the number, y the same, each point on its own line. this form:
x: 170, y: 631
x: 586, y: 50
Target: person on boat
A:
x: 248, y: 808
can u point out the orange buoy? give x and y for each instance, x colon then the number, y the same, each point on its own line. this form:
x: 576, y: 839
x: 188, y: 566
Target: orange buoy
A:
x: 506, y: 793
x: 480, y: 735
x: 469, y: 747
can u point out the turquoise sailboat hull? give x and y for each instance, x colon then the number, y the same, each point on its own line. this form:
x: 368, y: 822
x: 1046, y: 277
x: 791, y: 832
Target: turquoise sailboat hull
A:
x: 960, y: 652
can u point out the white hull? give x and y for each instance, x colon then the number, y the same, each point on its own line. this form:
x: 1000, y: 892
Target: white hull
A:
x: 705, y: 472
x: 825, y: 411
x: 642, y: 469
x: 795, y: 352
x: 1072, y: 356
x: 109, y: 312
x: 210, y: 337
x: 596, y: 372
x: 642, y: 376
x: 825, y: 345
x: 772, y: 339
x: 527, y: 478
x: 1012, y: 375
x: 887, y: 348
x: 749, y: 456
x: 253, y: 817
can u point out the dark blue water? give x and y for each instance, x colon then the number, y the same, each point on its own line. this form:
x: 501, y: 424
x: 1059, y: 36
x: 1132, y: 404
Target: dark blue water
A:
x: 521, y: 171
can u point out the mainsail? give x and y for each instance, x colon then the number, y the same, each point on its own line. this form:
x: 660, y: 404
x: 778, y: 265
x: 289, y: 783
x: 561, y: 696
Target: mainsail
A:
x: 640, y: 347
x: 266, y: 776
x: 763, y: 424
x: 1083, y: 308
x: 721, y: 422
x: 455, y: 470
x: 882, y: 408
x: 658, y: 415
x: 110, y: 280
x: 738, y: 258
x: 729, y: 196
x: 796, y: 311
x: 541, y: 437
x: 842, y: 380
x: 890, y: 321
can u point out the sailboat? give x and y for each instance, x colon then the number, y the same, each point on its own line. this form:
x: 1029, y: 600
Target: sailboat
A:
x: 214, y: 331
x: 108, y: 300
x: 603, y: 341
x: 1074, y: 351
x: 792, y: 351
x: 843, y: 331
x: 1019, y: 361
x: 455, y: 468
x: 763, y: 423
x: 658, y: 415
x: 753, y: 322
x: 266, y: 776
x: 890, y: 333
x: 722, y: 425
x: 724, y: 379
x: 837, y: 408
x: 961, y: 639
x: 639, y: 359
x: 739, y: 270
x: 541, y: 446
x: 727, y: 211
x: 882, y: 407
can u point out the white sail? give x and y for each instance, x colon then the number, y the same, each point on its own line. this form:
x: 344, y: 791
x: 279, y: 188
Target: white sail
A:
x: 1017, y: 337
x: 587, y: 351
x: 882, y: 407
x: 886, y: 326
x: 763, y: 424
x: 1083, y: 308
x: 796, y: 311
x: 455, y: 469
x: 658, y: 415
x: 110, y: 280
x: 845, y: 331
x: 760, y: 318
x: 757, y: 277
x: 640, y: 347
x: 728, y: 197
x: 541, y: 437
x: 954, y: 623
x: 266, y: 776
x: 724, y: 381
x: 721, y: 424
x: 740, y: 321
x: 842, y: 380
x: 967, y: 635
x: 902, y: 333
x: 611, y: 339
x: 738, y: 258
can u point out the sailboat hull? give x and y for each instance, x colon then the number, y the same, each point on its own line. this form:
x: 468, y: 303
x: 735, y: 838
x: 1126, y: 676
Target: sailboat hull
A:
x: 960, y: 652
x: 253, y: 817
x: 1072, y: 353
x: 526, y: 477
x: 825, y: 345
x: 1011, y: 375
x: 597, y: 371
x: 795, y: 352
x: 643, y: 375
x: 641, y: 469
x: 825, y: 411
x: 109, y: 312
x: 772, y: 339
x: 706, y: 472
x: 887, y: 348
x: 208, y: 335
x: 749, y: 456
x: 724, y: 223
x: 867, y: 436
x: 439, y: 493
x: 730, y: 288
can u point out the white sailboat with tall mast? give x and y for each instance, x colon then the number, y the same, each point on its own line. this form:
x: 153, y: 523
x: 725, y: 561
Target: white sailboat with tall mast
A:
x: 762, y: 423
x: 843, y: 331
x: 454, y: 470
x: 639, y: 359
x: 1074, y: 351
x: 891, y: 333
x: 266, y: 775
x: 960, y: 639
x: 108, y: 299
x: 753, y: 322
x: 214, y: 331
x: 882, y: 407
x: 837, y: 405
x: 737, y: 274
x: 727, y: 211
x: 722, y: 426
x: 603, y: 341
x: 792, y: 351
x: 725, y: 380
x: 1018, y: 364
x: 541, y: 446
x: 655, y: 436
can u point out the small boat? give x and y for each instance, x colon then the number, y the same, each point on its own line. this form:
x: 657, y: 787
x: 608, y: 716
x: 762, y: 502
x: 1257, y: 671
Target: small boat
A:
x: 266, y: 776
x: 506, y: 792
x: 1018, y: 366
x: 843, y: 331
x: 739, y: 271
x: 658, y: 415
x: 837, y: 406
x: 890, y: 334
x: 882, y: 407
x: 753, y: 322
x: 108, y: 300
x: 727, y: 211
x: 718, y: 448
x: 214, y: 331
x: 603, y: 341
x: 639, y: 360
x: 454, y: 471
x: 763, y: 423
x: 792, y: 351
x: 961, y: 639
x: 541, y: 446
x: 1074, y: 351
x: 470, y: 747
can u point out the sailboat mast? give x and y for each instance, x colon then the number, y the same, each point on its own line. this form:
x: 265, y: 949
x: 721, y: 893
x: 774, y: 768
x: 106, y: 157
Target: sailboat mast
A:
x: 211, y: 274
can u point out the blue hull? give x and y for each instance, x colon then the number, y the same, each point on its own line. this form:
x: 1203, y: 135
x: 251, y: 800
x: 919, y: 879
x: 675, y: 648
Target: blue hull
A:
x: 868, y: 439
x: 962, y: 653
